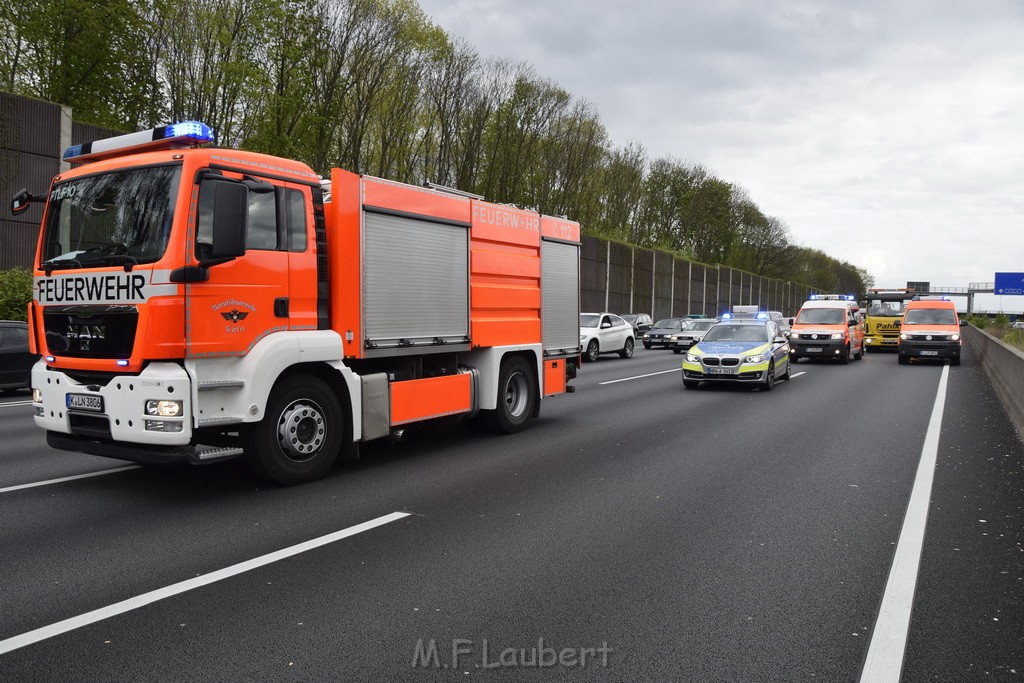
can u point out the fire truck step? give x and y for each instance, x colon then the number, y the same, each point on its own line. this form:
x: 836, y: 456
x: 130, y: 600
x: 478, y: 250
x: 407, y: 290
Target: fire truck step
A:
x: 206, y: 455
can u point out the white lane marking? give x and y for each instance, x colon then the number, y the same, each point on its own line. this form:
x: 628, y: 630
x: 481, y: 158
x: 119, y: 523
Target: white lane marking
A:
x: 797, y: 374
x: 138, y: 601
x: 15, y: 403
x: 71, y: 478
x: 884, y: 661
x: 649, y: 374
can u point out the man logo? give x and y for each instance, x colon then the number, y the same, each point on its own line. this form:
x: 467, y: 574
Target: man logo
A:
x: 235, y: 315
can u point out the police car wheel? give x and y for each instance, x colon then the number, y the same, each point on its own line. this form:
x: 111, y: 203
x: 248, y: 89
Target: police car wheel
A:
x: 785, y: 375
x: 769, y: 378
x: 300, y: 435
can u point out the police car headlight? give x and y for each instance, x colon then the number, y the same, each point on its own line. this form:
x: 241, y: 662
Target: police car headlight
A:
x: 954, y: 337
x: 692, y: 358
x: 757, y: 358
x: 837, y: 335
x: 163, y: 408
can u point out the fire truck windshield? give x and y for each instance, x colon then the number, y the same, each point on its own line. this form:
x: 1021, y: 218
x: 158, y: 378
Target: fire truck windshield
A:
x: 115, y: 218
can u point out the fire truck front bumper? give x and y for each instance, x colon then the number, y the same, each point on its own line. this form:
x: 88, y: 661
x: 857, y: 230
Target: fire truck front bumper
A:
x: 151, y: 409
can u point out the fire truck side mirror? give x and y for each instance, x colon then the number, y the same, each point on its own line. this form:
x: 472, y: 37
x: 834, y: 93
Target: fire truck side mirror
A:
x: 230, y: 218
x: 23, y: 200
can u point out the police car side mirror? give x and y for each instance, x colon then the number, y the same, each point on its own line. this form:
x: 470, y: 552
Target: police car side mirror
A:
x: 230, y: 219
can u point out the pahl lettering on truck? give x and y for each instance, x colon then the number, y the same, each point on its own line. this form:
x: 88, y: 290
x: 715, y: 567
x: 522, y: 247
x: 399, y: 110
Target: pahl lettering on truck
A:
x: 91, y: 288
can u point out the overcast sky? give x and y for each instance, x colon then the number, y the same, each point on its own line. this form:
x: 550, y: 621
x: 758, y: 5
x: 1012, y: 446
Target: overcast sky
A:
x: 889, y: 134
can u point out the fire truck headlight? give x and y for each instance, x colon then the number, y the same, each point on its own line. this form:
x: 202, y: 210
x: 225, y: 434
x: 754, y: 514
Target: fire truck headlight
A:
x: 954, y: 337
x: 37, y: 395
x: 837, y: 335
x: 163, y: 408
x: 904, y: 336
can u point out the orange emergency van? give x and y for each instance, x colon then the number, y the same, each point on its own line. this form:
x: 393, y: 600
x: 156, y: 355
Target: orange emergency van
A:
x: 828, y: 326
x: 930, y: 329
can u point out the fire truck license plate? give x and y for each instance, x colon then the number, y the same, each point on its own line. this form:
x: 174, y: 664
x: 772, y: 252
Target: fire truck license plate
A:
x: 85, y: 402
x: 816, y: 349
x: 929, y: 353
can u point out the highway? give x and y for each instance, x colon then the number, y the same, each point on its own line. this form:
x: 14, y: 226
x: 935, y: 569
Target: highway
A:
x: 637, y: 531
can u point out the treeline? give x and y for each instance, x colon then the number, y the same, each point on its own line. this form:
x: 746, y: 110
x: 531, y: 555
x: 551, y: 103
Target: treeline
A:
x: 373, y: 86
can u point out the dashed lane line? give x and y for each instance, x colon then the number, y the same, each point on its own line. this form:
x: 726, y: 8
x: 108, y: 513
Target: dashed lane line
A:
x: 138, y: 601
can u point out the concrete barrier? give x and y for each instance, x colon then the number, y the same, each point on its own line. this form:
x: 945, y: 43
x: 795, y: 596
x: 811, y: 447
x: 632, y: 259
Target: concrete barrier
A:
x: 1004, y: 365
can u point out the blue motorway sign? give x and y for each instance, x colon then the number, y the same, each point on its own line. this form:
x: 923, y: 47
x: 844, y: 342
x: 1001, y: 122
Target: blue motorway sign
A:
x: 1009, y: 283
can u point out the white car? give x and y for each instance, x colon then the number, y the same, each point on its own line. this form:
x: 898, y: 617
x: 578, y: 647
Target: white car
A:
x: 605, y: 333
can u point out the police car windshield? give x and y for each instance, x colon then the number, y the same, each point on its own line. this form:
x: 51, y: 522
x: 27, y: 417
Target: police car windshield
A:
x: 930, y: 316
x: 821, y: 316
x: 110, y: 218
x: 739, y: 333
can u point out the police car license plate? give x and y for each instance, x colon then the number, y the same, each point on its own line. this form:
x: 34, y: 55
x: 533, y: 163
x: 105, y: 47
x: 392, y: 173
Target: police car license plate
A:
x: 929, y: 353
x: 89, y: 402
x: 719, y: 371
x: 816, y: 349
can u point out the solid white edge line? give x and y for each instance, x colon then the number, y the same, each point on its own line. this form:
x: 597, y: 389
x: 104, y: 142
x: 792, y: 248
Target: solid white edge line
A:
x: 884, y: 660
x: 138, y: 601
x: 649, y: 374
x: 797, y: 374
x: 34, y: 484
x: 16, y: 403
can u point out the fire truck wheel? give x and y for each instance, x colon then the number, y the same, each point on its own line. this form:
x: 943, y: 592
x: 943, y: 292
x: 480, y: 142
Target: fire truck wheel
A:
x: 954, y: 360
x: 300, y: 435
x: 844, y: 357
x: 859, y: 354
x: 517, y: 394
x: 592, y: 351
x: 903, y: 359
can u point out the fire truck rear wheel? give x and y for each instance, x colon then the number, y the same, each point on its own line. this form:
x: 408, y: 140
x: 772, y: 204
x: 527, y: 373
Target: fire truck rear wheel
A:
x: 517, y: 396
x: 300, y: 436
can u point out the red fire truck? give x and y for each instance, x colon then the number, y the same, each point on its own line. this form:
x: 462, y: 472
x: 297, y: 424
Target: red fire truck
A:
x: 196, y: 303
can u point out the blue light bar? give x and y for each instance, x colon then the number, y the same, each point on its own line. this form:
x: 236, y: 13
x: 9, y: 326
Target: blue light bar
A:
x: 50, y: 359
x: 727, y: 316
x: 762, y: 316
x: 174, y: 136
x: 123, y: 363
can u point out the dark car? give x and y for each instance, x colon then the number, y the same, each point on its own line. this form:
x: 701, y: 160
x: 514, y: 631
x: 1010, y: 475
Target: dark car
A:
x: 15, y: 360
x: 641, y: 322
x: 661, y: 331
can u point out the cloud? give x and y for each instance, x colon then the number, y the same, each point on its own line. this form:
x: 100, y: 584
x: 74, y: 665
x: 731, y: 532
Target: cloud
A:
x: 887, y: 134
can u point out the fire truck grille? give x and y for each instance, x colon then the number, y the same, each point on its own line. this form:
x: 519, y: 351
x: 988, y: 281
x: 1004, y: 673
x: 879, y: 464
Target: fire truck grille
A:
x: 91, y: 331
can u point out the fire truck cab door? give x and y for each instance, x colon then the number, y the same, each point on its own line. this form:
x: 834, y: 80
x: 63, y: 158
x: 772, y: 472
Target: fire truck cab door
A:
x: 262, y: 291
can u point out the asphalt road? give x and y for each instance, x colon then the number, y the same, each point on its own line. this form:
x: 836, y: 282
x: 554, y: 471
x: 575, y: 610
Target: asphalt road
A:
x: 657, y: 533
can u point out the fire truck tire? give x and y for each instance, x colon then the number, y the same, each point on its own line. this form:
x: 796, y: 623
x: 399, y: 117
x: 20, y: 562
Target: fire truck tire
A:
x: 300, y: 436
x: 859, y: 354
x: 954, y: 361
x: 517, y: 396
x: 902, y: 359
x: 844, y: 357
x: 627, y: 348
x: 593, y: 351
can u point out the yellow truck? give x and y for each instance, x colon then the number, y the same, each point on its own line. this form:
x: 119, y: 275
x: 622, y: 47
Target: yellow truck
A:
x: 883, y: 309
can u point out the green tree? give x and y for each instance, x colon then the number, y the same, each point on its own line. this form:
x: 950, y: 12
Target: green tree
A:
x: 15, y: 293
